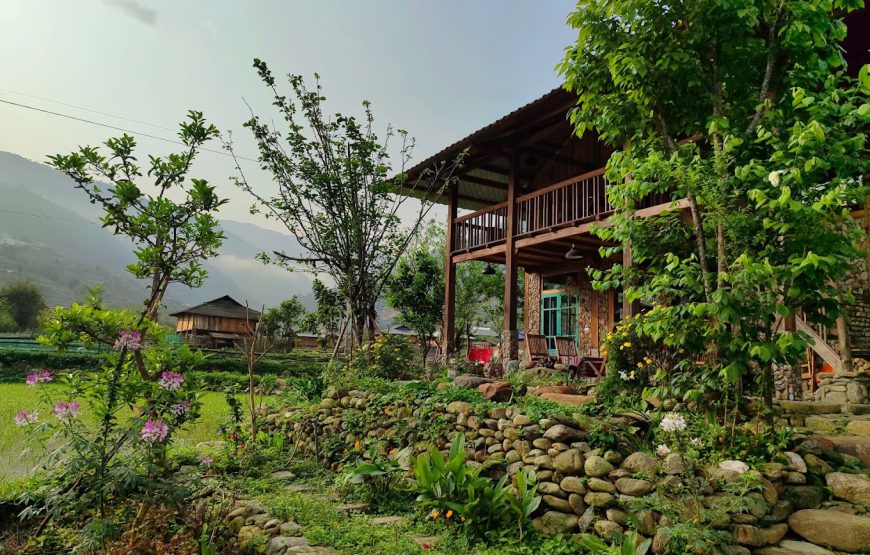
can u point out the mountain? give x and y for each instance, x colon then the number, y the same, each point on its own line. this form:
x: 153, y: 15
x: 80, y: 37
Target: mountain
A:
x: 50, y: 233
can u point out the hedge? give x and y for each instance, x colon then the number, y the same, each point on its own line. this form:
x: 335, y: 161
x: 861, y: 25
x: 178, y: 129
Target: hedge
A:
x: 16, y: 364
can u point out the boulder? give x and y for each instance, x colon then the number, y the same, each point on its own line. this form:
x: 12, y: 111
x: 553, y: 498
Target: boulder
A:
x: 280, y: 544
x: 795, y: 462
x: 793, y: 547
x: 597, y: 484
x: 564, y: 434
x: 573, y: 484
x: 568, y: 462
x: 568, y: 400
x: 469, y: 381
x: 858, y: 428
x: 596, y: 466
x: 753, y: 536
x: 561, y: 389
x: 857, y: 446
x: 554, y: 522
x: 634, y: 487
x: 599, y: 499
x: 496, y: 391
x: 673, y: 464
x: 834, y: 530
x: 739, y: 467
x: 557, y: 503
x: 607, y: 529
x: 459, y: 407
x: 640, y: 463
x: 578, y: 505
x: 854, y: 488
x: 803, y: 497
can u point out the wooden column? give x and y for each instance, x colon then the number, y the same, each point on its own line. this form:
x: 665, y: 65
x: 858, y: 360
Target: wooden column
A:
x: 448, y: 331
x: 629, y: 308
x: 509, y: 339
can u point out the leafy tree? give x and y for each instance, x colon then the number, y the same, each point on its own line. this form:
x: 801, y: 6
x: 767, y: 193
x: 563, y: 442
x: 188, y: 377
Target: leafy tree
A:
x: 144, y: 390
x: 416, y: 290
x: 7, y: 321
x: 24, y: 302
x: 330, y: 312
x: 743, y: 109
x: 337, y: 194
x: 284, y: 320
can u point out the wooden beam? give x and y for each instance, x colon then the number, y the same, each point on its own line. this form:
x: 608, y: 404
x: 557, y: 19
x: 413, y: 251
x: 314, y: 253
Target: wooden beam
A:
x: 556, y: 157
x: 478, y: 254
x: 482, y: 181
x: 448, y: 332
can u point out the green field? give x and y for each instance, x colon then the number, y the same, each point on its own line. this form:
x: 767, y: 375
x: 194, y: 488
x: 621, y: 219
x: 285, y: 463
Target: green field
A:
x: 19, y: 453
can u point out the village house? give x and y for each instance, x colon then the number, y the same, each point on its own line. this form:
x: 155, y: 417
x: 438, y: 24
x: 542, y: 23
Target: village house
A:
x: 531, y: 190
x: 217, y: 323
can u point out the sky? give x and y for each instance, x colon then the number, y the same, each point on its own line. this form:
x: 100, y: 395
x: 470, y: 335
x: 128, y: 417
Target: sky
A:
x: 439, y: 69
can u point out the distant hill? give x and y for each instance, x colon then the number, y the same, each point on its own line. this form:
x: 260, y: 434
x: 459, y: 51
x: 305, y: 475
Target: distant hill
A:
x: 50, y: 233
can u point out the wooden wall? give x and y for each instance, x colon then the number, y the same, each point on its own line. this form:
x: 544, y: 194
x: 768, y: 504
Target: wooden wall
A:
x: 189, y: 322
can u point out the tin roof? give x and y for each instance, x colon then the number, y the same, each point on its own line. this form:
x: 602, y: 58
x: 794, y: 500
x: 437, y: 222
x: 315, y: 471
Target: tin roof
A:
x: 223, y: 307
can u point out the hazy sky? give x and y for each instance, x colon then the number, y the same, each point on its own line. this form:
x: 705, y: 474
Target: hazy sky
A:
x: 438, y: 68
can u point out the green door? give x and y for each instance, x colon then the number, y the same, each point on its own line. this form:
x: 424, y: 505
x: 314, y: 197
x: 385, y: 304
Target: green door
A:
x: 558, y: 317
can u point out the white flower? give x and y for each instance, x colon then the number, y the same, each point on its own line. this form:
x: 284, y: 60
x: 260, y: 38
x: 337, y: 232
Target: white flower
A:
x: 695, y: 441
x: 626, y: 376
x: 673, y: 422
x: 663, y: 450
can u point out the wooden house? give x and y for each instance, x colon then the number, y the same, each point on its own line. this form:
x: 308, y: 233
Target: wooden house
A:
x: 530, y: 190
x: 217, y: 323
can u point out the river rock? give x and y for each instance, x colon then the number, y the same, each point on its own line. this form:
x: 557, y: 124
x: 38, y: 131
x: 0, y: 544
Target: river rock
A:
x: 634, y: 487
x: 640, y: 463
x: 854, y: 488
x: 568, y: 462
x: 563, y: 434
x: 834, y: 530
x: 554, y: 522
x: 596, y: 466
x: 469, y: 381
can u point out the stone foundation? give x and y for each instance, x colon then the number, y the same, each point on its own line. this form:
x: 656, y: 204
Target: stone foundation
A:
x: 509, y: 347
x: 787, y: 383
x: 838, y: 388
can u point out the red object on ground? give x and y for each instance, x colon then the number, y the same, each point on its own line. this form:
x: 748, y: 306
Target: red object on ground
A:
x: 480, y: 354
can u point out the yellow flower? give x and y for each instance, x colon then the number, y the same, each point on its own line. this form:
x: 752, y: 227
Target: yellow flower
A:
x: 627, y: 344
x: 462, y: 518
x: 640, y: 365
x: 356, y: 444
x: 449, y: 514
x: 435, y: 514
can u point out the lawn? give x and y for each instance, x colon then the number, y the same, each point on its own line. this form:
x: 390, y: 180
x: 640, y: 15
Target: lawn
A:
x: 18, y: 453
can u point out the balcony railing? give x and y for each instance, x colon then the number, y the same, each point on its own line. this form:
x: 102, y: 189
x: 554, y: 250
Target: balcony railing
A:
x: 568, y: 203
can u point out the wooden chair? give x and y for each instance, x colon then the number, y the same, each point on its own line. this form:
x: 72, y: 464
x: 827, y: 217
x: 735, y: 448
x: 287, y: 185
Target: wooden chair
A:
x: 591, y: 367
x: 566, y: 350
x: 537, y: 349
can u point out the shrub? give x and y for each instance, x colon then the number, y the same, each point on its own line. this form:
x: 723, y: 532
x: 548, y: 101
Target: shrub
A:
x: 389, y: 356
x: 451, y: 487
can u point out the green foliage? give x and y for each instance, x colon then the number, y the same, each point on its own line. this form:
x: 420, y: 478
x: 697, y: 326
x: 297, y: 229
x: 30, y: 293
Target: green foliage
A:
x: 388, y: 356
x: 23, y: 302
x: 449, y: 487
x: 339, y: 194
x: 330, y: 311
x: 628, y: 544
x: 776, y: 161
x: 383, y: 478
x: 285, y: 320
x: 416, y: 290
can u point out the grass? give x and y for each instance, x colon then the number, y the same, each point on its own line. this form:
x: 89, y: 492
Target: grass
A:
x: 18, y: 453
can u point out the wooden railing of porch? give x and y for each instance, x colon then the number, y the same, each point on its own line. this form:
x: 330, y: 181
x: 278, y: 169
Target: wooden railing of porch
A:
x: 571, y: 202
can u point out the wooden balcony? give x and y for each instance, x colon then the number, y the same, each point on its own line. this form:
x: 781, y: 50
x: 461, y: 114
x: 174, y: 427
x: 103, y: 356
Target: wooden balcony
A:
x: 565, y: 205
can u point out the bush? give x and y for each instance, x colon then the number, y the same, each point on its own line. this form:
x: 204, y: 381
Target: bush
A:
x: 389, y: 356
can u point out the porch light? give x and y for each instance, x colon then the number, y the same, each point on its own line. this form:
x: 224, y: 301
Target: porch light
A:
x: 573, y: 253
x: 488, y: 270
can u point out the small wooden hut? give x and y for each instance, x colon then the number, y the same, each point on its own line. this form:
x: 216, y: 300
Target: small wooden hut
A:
x: 217, y: 323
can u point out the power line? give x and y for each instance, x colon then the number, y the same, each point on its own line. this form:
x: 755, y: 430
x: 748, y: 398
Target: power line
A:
x: 67, y: 116
x: 87, y: 109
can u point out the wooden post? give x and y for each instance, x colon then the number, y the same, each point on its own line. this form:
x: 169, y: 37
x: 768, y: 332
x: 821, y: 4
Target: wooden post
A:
x: 448, y: 331
x: 629, y: 308
x: 509, y: 337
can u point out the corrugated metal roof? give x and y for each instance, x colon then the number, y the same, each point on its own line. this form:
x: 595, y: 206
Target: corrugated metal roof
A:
x: 224, y: 307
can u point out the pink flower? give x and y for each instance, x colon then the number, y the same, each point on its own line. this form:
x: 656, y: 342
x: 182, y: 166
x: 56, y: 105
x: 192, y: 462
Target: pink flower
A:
x: 181, y: 408
x: 171, y: 381
x: 41, y: 376
x: 66, y: 410
x: 154, y: 431
x: 129, y: 338
x: 206, y: 460
x: 23, y: 418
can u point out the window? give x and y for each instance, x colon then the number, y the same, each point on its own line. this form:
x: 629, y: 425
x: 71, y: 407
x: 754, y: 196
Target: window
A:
x: 558, y: 316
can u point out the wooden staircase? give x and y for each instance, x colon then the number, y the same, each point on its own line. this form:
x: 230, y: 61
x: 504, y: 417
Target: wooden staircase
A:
x: 823, y: 344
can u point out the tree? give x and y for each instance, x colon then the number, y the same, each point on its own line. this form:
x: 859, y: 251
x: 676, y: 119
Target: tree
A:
x: 24, y: 301
x: 330, y: 311
x: 416, y: 290
x: 7, y: 322
x: 338, y: 196
x: 285, y: 320
x: 744, y: 110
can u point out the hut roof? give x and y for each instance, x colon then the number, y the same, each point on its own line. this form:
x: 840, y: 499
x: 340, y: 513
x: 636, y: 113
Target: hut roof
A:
x: 223, y: 307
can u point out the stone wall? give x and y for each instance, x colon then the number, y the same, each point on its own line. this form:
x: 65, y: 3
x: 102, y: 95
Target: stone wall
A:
x: 858, y: 282
x: 532, y: 302
x: 584, y: 488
